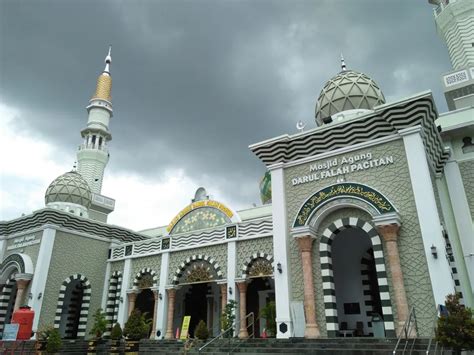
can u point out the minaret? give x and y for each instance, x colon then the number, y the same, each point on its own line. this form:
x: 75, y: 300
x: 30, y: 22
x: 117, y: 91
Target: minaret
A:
x: 93, y: 154
x: 455, y: 25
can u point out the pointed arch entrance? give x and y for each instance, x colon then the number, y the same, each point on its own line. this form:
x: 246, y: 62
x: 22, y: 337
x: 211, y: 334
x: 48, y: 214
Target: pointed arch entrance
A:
x: 73, y: 307
x: 257, y: 272
x: 358, y: 232
x: 198, y: 293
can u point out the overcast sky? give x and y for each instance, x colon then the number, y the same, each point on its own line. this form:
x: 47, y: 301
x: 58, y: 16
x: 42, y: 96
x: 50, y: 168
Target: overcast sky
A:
x: 194, y: 83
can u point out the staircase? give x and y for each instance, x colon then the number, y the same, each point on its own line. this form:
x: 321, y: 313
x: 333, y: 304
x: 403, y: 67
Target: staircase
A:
x: 345, y: 346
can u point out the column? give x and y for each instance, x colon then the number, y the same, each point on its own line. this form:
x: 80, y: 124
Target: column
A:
x: 122, y: 311
x: 163, y: 303
x: 38, y: 284
x: 21, y: 285
x: 155, y: 311
x: 169, y: 325
x: 389, y: 233
x: 132, y: 297
x: 223, y: 287
x: 242, y: 286
x: 305, y: 244
x: 280, y: 239
x: 427, y: 213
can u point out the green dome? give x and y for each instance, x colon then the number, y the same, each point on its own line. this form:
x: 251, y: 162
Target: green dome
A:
x: 348, y: 90
x: 69, y: 187
x: 266, y: 188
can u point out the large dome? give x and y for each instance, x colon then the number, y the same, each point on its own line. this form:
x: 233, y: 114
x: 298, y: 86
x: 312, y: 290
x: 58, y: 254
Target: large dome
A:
x: 71, y: 188
x: 348, y: 90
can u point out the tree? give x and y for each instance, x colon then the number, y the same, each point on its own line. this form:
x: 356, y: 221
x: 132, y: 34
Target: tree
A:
x: 456, y: 328
x: 137, y: 327
x: 116, y: 333
x: 228, y: 318
x: 201, y: 332
x: 269, y: 313
x: 100, y: 324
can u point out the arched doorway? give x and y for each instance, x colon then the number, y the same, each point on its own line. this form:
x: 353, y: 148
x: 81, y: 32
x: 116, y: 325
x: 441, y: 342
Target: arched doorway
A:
x: 198, y: 295
x: 354, y: 289
x: 113, y: 300
x: 146, y: 299
x: 73, y: 307
x: 260, y: 290
x: 7, y: 301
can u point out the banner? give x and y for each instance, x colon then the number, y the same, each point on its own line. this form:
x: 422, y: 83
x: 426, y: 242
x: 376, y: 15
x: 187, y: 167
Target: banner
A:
x: 185, y: 327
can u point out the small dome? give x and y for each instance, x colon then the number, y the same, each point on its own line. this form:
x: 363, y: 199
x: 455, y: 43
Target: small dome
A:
x: 348, y: 90
x: 266, y: 188
x: 69, y: 187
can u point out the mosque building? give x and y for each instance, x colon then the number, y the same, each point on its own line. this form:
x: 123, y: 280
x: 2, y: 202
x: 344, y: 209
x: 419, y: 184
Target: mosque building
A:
x: 368, y: 216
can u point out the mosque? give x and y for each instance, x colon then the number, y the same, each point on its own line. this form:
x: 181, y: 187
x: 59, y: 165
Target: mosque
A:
x: 364, y: 219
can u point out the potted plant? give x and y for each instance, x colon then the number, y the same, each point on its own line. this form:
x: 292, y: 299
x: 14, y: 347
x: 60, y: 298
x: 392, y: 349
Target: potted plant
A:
x: 98, y: 330
x: 228, y: 319
x: 201, y: 332
x: 115, y: 339
x: 48, y: 339
x: 269, y: 314
x: 455, y: 328
x: 136, y: 328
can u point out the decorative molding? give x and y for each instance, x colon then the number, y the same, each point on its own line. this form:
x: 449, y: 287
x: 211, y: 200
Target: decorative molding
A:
x: 196, y: 258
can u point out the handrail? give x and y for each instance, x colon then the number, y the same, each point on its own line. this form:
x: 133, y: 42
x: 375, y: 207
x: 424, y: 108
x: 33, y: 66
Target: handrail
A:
x: 251, y: 314
x: 430, y: 341
x: 406, y: 330
x: 215, y: 338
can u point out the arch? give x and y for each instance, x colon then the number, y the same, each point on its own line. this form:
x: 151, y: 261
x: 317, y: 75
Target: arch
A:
x: 84, y: 306
x: 354, y: 191
x: 182, y: 267
x: 6, y: 301
x: 113, y: 299
x: 329, y: 290
x: 143, y: 272
x: 248, y: 263
x: 21, y: 262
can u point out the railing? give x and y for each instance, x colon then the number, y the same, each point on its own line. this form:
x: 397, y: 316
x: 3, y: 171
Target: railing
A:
x: 221, y: 335
x: 407, y: 329
x: 251, y: 335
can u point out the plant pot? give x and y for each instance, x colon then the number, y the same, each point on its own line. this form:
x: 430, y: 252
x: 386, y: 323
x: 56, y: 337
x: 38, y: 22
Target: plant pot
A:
x: 91, y: 347
x: 115, y: 347
x: 131, y: 347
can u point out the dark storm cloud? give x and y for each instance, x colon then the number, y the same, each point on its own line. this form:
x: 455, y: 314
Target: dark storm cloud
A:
x: 196, y: 82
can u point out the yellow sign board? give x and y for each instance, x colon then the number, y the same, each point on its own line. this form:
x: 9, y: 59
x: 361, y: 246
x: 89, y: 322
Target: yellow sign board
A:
x: 185, y: 327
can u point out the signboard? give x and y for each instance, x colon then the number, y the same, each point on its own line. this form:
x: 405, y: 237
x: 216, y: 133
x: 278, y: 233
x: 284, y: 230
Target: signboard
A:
x: 24, y: 241
x: 185, y: 327
x: 10, y: 331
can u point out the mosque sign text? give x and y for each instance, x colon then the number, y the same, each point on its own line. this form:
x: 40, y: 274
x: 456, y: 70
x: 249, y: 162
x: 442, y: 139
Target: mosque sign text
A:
x: 359, y: 191
x: 340, y: 166
x: 22, y: 242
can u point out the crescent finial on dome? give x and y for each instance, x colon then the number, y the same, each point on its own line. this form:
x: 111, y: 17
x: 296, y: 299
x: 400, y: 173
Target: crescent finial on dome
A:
x: 343, y: 63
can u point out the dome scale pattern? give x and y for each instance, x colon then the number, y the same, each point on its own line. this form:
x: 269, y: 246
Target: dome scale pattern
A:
x: 69, y: 187
x: 348, y: 90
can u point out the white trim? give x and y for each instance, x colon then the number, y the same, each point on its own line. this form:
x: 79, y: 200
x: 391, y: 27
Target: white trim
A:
x: 38, y: 284
x: 123, y: 307
x: 428, y: 216
x: 231, y: 269
x: 280, y: 253
x: 162, y: 309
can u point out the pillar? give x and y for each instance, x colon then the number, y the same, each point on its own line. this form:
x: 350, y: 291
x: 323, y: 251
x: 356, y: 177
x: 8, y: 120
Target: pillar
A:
x: 132, y: 297
x: 223, y: 287
x: 389, y: 233
x: 155, y: 311
x: 21, y: 285
x: 305, y: 244
x: 242, y: 286
x: 169, y: 325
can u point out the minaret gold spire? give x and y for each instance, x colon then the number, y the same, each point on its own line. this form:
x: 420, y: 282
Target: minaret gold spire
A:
x: 104, y: 81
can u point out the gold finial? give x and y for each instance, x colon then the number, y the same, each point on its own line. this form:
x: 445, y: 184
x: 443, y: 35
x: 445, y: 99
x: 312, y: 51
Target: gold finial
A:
x: 104, y: 81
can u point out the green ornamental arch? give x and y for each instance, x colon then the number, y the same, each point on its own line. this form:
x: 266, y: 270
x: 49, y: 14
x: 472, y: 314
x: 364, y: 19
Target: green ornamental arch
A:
x: 354, y: 190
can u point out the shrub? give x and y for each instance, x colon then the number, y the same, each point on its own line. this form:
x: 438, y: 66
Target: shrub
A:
x: 137, y: 327
x: 456, y: 329
x: 100, y: 324
x: 269, y: 313
x: 116, y: 333
x: 53, y: 342
x: 201, y: 332
x: 228, y: 318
